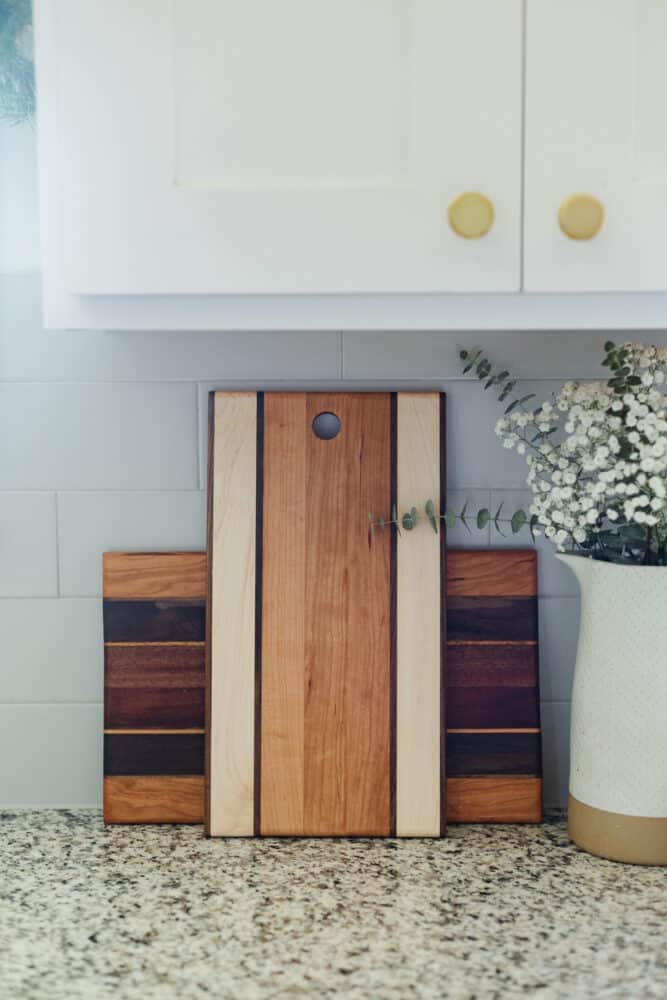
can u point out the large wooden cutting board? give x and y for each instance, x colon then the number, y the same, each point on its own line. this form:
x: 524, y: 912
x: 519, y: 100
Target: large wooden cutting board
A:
x: 154, y: 630
x: 326, y: 653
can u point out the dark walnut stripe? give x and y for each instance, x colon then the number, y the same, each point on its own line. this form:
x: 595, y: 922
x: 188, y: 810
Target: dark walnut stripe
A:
x: 154, y: 621
x: 491, y: 619
x: 492, y: 665
x: 152, y: 708
x: 493, y: 708
x: 153, y: 753
x: 470, y: 754
x: 160, y: 666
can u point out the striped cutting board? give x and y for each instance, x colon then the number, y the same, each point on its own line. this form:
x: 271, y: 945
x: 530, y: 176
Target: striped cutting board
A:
x: 154, y: 622
x: 326, y: 650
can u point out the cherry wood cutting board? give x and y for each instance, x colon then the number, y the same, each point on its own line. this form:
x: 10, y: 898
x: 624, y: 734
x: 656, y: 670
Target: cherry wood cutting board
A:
x: 154, y: 623
x: 326, y: 653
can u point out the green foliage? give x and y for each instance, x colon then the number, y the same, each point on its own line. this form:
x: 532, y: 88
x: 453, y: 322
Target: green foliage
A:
x: 17, y: 78
x: 411, y: 518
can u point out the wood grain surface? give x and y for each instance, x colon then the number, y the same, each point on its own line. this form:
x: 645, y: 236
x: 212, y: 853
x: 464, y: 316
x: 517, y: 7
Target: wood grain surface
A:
x: 163, y: 799
x: 492, y: 619
x: 153, y: 753
x: 491, y: 685
x: 496, y: 753
x: 151, y: 575
x: 492, y: 573
x: 154, y: 621
x: 325, y: 618
x: 418, y: 618
x: 494, y: 800
x: 231, y: 678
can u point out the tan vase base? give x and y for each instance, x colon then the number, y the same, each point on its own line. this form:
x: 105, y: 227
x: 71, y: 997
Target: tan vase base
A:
x: 636, y: 840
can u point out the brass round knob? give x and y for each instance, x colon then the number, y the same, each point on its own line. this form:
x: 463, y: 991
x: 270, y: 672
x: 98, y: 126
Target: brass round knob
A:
x: 581, y: 216
x: 471, y: 215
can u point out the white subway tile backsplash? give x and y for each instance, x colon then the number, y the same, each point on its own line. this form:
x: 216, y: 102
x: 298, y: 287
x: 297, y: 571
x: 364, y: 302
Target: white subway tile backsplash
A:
x: 29, y: 352
x: 91, y: 523
x: 52, y: 650
x: 559, y: 631
x: 104, y: 436
x: 51, y: 755
x: 551, y: 354
x: 28, y: 555
x: 555, y: 752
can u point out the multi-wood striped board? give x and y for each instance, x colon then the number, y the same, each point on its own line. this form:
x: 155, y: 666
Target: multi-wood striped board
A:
x: 154, y: 609
x: 326, y: 652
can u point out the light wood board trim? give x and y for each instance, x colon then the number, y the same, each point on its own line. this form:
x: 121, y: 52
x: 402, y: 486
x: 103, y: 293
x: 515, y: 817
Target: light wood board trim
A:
x: 231, y: 758
x: 418, y: 646
x: 151, y: 575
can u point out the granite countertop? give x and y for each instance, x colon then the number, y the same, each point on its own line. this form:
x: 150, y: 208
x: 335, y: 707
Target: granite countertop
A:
x: 160, y: 912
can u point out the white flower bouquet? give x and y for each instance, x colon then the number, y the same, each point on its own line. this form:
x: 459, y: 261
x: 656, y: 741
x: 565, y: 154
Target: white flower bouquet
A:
x: 596, y: 455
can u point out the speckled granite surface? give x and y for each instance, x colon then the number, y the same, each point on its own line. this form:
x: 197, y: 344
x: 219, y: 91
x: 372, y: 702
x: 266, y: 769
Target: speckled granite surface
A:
x: 159, y: 912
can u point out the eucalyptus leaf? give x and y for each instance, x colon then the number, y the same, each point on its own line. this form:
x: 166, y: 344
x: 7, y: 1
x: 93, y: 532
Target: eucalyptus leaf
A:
x: 519, y: 518
x: 483, y: 518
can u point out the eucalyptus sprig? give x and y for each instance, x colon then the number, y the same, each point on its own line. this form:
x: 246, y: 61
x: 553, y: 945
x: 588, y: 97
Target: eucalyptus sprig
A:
x: 409, y: 520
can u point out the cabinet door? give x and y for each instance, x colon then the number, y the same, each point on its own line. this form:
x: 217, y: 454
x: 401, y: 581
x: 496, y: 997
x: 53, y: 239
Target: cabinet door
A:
x: 596, y: 114
x: 249, y: 146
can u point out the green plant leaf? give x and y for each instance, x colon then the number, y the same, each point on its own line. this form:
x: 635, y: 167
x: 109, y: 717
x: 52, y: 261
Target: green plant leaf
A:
x: 382, y: 523
x: 406, y: 521
x: 483, y: 518
x: 534, y: 521
x: 609, y: 346
x: 450, y: 518
x: 518, y: 520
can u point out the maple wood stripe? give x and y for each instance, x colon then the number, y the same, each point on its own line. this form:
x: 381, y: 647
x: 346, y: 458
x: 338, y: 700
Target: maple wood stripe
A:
x: 153, y: 753
x: 231, y: 695
x: 259, y: 536
x: 419, y: 611
x: 484, y: 754
x: 492, y: 618
x: 493, y: 707
x: 210, y: 479
x: 393, y: 540
x: 154, y: 621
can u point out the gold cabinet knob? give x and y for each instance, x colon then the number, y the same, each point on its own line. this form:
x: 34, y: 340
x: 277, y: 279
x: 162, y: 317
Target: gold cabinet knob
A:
x: 471, y: 215
x: 581, y: 216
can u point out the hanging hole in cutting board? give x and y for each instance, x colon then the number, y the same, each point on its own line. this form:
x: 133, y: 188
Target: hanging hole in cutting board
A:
x: 326, y: 426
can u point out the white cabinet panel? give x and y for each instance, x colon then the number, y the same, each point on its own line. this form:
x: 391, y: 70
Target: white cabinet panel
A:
x: 596, y: 110
x: 216, y: 147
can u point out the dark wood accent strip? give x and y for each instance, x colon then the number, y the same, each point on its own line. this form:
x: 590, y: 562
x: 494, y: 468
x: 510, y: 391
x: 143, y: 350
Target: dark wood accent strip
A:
x: 393, y: 565
x: 492, y: 665
x: 142, y: 666
x: 164, y: 799
x: 494, y: 800
x: 492, y: 619
x: 492, y: 573
x: 486, y: 754
x: 154, y: 621
x: 259, y: 536
x: 154, y: 753
x: 154, y: 707
x: 443, y: 618
x: 493, y: 708
x: 148, y: 576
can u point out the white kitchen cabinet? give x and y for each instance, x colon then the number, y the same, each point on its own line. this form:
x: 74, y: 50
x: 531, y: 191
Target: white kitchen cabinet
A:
x: 248, y: 147
x: 596, y: 123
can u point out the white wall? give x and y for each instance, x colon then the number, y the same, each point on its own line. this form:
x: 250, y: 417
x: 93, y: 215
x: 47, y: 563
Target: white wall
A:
x: 102, y: 445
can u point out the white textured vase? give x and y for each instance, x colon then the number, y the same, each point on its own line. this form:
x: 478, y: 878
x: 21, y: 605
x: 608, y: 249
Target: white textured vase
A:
x: 618, y: 739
